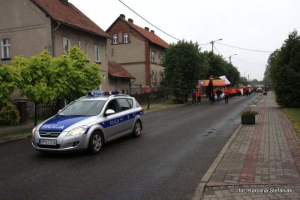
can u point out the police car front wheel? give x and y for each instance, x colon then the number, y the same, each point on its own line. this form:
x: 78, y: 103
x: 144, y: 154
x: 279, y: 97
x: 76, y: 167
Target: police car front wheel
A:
x: 95, y: 143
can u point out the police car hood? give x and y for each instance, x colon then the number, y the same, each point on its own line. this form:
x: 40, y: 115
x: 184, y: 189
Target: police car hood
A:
x: 62, y: 122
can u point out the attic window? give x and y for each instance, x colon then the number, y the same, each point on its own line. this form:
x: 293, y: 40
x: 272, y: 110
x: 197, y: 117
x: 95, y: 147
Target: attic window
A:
x: 126, y: 38
x: 115, y: 39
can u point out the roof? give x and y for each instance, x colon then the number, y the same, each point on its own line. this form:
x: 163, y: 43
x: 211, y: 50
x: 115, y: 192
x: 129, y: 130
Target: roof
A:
x: 116, y: 70
x: 217, y: 83
x: 152, y: 37
x: 69, y: 15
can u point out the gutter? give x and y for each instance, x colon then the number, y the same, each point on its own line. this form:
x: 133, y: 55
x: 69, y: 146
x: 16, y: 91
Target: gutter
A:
x: 53, y: 38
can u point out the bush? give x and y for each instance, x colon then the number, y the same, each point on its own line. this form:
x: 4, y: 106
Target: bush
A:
x: 9, y: 115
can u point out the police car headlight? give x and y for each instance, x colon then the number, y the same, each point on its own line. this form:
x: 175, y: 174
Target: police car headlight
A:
x: 77, y: 131
x: 33, y: 131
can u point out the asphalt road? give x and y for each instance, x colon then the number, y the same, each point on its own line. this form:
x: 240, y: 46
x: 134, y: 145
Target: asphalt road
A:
x: 177, y: 147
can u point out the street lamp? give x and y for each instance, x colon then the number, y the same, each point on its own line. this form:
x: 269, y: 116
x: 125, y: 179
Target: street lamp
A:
x: 230, y: 57
x: 248, y: 77
x: 245, y: 74
x: 212, y: 44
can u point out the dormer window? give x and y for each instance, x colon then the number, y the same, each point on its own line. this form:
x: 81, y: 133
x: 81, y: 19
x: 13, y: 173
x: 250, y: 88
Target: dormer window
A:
x: 115, y: 39
x: 126, y: 38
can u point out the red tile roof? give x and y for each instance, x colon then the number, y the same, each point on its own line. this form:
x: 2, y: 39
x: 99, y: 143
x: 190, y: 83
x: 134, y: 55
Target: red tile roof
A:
x: 116, y: 70
x: 68, y: 14
x: 150, y: 36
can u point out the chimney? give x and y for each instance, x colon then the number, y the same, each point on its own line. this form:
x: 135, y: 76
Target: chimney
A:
x: 152, y: 31
x: 147, y: 29
x: 122, y: 16
x: 64, y: 1
x: 130, y: 20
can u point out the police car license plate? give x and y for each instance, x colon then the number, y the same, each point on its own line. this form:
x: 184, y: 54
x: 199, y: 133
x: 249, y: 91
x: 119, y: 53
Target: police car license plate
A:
x: 47, y: 142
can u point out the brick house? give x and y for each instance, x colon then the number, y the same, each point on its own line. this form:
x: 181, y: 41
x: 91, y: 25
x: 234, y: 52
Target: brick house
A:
x: 30, y: 26
x: 139, y: 50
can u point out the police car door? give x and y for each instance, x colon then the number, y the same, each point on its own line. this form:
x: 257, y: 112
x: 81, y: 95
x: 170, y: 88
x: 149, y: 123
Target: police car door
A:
x: 126, y: 111
x: 113, y: 125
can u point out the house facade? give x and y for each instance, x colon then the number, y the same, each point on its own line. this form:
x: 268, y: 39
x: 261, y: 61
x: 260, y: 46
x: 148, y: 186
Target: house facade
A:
x: 140, y: 51
x: 30, y: 26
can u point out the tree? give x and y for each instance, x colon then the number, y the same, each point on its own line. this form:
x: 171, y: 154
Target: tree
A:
x: 285, y: 71
x: 183, y: 66
x: 45, y: 79
x: 9, y: 78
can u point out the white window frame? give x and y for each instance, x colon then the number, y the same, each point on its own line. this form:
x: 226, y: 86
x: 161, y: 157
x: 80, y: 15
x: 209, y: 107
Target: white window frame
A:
x: 66, y: 42
x: 115, y: 39
x: 5, y: 48
x: 97, y: 53
x: 79, y: 44
x: 153, y: 54
x: 126, y: 38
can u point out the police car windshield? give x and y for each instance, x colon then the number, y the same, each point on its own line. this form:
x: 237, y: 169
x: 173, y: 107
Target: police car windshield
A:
x: 83, y: 108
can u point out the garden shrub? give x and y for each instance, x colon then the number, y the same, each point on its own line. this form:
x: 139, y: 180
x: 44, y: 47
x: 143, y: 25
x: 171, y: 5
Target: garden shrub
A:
x: 9, y: 115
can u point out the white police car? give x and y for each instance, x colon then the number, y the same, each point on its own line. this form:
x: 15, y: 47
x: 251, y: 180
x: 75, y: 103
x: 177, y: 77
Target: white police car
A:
x: 89, y: 122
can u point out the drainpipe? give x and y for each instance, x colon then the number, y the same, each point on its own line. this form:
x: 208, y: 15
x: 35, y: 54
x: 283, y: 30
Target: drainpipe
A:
x: 53, y: 38
x: 130, y: 85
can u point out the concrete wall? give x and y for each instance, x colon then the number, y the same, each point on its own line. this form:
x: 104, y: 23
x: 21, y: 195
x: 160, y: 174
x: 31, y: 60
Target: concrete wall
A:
x: 122, y: 85
x: 27, y: 27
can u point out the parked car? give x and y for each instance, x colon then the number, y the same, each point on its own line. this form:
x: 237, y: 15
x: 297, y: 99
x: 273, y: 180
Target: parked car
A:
x: 88, y: 123
x: 259, y: 89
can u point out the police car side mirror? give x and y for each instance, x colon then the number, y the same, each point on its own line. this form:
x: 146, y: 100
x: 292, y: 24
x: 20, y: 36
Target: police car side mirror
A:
x: 109, y: 112
x: 59, y: 111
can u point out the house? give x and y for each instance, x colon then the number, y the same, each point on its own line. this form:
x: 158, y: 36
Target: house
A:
x: 140, y: 51
x: 30, y: 26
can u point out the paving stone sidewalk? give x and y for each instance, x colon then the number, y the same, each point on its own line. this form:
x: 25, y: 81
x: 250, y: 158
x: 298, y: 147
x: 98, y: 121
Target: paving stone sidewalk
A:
x: 261, y: 162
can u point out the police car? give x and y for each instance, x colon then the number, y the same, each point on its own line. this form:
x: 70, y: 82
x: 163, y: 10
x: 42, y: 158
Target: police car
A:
x: 88, y: 123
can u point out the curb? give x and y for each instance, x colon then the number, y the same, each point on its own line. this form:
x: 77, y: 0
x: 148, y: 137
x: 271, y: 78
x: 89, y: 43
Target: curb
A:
x: 13, y: 138
x: 201, y: 186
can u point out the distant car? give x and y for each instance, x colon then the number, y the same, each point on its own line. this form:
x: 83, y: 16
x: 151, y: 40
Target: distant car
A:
x: 259, y: 89
x: 89, y: 122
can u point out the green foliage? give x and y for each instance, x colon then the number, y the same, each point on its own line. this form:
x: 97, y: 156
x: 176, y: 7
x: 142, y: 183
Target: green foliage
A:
x: 285, y: 72
x: 9, y: 115
x: 9, y: 78
x: 184, y: 65
x: 249, y: 112
x: 82, y: 77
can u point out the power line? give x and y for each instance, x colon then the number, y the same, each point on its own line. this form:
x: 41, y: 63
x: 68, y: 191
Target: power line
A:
x: 245, y: 48
x: 148, y: 21
x: 217, y: 50
x: 248, y: 62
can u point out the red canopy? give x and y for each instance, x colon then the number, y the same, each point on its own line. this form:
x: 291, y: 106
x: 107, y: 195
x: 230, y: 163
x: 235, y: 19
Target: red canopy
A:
x: 217, y: 83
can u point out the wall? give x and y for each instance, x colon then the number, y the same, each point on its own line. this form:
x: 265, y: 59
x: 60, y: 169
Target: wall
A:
x: 27, y: 27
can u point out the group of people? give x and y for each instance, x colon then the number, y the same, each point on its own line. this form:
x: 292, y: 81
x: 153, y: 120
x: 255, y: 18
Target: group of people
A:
x: 211, y: 92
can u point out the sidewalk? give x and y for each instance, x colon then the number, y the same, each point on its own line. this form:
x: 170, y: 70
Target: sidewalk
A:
x: 260, y: 161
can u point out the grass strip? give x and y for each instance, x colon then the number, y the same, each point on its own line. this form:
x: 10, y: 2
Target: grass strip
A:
x: 294, y: 115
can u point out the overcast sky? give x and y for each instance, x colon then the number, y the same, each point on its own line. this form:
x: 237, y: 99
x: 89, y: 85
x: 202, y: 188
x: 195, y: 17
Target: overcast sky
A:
x: 251, y: 24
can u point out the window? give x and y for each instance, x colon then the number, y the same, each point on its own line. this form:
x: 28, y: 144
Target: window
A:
x: 97, y: 54
x: 126, y: 38
x: 154, y: 77
x: 153, y: 56
x: 124, y: 104
x: 87, y: 49
x: 79, y: 44
x: 5, y: 48
x: 161, y: 58
x: 115, y: 39
x: 66, y: 45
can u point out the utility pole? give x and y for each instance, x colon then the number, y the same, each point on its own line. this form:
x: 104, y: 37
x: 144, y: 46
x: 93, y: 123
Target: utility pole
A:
x: 230, y: 58
x: 212, y: 45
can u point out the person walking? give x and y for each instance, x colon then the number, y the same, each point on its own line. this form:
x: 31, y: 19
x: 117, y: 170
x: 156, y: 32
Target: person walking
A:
x: 226, y: 93
x: 219, y: 92
x: 198, y: 95
x: 210, y: 90
x: 193, y: 97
